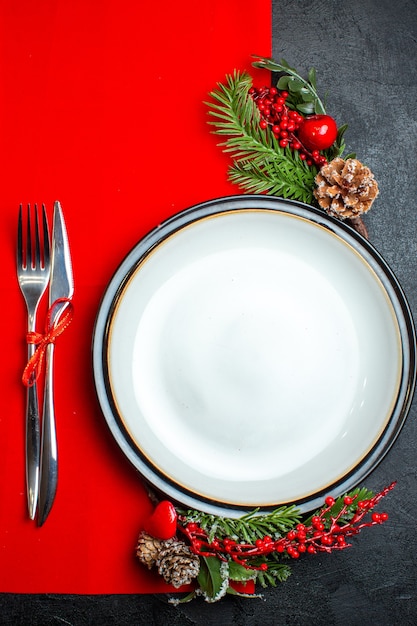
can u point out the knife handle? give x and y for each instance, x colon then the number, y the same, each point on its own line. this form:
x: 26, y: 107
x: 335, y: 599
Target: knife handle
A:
x: 49, y: 448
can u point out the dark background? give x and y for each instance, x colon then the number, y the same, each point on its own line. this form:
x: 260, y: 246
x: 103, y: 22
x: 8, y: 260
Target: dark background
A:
x: 365, y: 54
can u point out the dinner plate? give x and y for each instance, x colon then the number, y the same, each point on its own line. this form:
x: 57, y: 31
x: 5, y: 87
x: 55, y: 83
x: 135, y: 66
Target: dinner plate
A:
x: 253, y: 352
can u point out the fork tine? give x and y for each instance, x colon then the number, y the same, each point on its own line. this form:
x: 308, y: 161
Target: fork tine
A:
x: 46, y: 250
x: 29, y: 260
x: 19, y: 239
x: 37, y: 255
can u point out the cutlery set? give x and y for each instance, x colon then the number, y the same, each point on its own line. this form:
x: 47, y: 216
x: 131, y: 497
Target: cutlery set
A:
x: 42, y: 264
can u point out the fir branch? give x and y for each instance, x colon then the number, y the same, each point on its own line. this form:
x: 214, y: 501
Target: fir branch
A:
x: 260, y: 165
x: 237, y: 117
x: 284, y: 181
x: 249, y: 527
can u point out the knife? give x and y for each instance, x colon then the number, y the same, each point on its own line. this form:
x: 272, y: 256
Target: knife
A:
x: 61, y: 289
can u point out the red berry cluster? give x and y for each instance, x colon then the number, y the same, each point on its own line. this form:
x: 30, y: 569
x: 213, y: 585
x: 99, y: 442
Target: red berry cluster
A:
x: 325, y: 532
x: 284, y: 122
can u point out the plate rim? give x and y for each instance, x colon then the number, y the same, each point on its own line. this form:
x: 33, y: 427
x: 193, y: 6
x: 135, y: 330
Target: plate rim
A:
x: 155, y: 479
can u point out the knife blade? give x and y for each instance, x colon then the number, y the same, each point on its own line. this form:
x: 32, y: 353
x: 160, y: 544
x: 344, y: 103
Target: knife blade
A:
x: 61, y: 289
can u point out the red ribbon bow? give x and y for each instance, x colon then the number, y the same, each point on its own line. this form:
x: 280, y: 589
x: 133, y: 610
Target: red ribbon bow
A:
x: 34, y: 366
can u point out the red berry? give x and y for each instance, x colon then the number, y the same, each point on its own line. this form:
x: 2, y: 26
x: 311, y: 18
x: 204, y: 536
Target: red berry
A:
x: 347, y: 500
x: 317, y: 522
x: 263, y: 123
x: 318, y: 132
x: 327, y: 540
x: 292, y: 552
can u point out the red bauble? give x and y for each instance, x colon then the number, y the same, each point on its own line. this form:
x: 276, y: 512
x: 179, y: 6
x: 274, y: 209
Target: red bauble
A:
x: 162, y: 523
x: 318, y: 132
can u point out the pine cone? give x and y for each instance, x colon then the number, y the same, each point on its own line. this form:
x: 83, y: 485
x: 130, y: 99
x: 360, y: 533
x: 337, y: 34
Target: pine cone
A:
x: 148, y: 549
x: 177, y: 563
x: 345, y: 189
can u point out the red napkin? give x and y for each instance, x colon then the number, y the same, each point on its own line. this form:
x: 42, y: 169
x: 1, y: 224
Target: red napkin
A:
x: 102, y: 108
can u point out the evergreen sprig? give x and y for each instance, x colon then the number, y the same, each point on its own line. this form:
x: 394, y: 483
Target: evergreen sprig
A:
x: 260, y: 165
x: 278, y: 179
x: 247, y: 528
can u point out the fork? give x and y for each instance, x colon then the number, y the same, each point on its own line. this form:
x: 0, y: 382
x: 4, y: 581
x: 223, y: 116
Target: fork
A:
x: 33, y: 271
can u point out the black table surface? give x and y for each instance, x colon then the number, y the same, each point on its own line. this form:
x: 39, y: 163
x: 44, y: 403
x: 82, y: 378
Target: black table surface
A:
x: 365, y: 54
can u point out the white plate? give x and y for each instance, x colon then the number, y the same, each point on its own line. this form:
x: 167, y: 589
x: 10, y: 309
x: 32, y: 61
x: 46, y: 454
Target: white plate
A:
x: 252, y: 352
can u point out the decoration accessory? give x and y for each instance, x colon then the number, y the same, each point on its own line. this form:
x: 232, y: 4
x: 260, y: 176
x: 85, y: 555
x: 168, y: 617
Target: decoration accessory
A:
x: 34, y: 366
x: 162, y: 523
x: 345, y: 189
x: 175, y: 560
x: 222, y: 555
x: 283, y: 143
